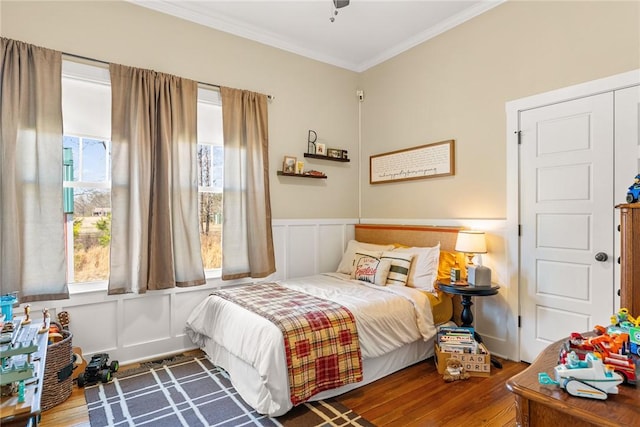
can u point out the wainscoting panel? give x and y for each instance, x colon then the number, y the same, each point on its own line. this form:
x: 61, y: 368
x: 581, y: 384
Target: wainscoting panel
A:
x: 182, y: 305
x: 150, y: 313
x: 134, y: 327
x: 100, y: 334
x: 332, y: 239
x: 149, y: 326
x: 302, y: 250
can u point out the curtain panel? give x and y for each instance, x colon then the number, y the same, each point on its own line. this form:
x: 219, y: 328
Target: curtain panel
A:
x: 247, y: 241
x: 155, y: 240
x: 32, y: 236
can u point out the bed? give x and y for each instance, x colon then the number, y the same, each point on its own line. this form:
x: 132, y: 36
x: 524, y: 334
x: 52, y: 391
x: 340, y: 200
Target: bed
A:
x: 396, y: 321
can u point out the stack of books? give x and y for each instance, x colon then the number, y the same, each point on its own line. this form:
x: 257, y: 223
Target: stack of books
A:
x: 458, y: 339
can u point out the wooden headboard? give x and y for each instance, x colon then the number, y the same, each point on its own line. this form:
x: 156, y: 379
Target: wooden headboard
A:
x: 413, y: 235
x: 409, y: 235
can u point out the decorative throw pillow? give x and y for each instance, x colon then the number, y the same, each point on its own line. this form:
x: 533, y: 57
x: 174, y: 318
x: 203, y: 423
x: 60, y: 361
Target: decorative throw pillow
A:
x: 447, y: 261
x: 346, y: 264
x: 400, y: 267
x: 368, y: 267
x: 424, y: 268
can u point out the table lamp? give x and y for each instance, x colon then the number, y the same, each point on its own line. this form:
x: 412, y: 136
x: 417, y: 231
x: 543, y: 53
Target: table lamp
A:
x: 474, y: 243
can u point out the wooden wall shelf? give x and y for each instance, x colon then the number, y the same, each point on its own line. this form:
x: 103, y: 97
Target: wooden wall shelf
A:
x: 320, y: 157
x: 297, y: 175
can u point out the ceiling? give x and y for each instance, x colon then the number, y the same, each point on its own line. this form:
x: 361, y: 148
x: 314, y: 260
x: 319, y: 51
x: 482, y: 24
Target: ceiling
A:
x: 363, y: 34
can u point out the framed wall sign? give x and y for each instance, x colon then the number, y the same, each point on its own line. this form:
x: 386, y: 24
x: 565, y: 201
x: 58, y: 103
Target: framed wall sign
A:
x: 425, y: 161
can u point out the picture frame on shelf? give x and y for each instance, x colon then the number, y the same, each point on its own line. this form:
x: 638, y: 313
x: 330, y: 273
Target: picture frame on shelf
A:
x: 334, y: 153
x: 299, y: 167
x: 289, y: 164
x: 321, y: 149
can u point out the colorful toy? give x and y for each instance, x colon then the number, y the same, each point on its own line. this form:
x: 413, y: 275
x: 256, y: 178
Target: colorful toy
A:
x: 610, y: 349
x: 590, y: 378
x: 633, y: 194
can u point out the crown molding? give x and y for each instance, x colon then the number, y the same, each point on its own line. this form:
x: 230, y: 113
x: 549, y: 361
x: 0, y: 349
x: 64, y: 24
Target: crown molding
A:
x: 191, y: 11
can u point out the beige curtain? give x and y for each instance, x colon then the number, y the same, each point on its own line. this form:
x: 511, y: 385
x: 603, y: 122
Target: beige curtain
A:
x: 247, y: 241
x: 155, y: 241
x: 32, y: 251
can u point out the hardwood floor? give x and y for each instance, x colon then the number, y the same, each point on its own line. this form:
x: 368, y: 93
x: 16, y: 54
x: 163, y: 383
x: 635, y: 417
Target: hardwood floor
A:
x: 418, y: 396
x: 415, y: 396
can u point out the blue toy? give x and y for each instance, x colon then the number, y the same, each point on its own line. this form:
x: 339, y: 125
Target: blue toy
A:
x: 633, y: 194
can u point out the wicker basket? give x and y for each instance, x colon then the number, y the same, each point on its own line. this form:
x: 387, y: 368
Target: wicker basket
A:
x: 58, y: 381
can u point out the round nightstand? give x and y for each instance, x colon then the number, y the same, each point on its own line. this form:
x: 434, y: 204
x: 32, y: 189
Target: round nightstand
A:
x: 466, y: 292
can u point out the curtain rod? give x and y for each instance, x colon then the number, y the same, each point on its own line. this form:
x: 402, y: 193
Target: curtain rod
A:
x: 86, y: 58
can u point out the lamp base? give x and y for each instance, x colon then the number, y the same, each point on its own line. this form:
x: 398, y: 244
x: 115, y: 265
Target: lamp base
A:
x: 478, y: 275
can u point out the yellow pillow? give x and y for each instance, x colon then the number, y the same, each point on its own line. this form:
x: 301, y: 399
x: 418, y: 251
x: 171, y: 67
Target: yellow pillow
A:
x: 441, y: 307
x: 447, y: 261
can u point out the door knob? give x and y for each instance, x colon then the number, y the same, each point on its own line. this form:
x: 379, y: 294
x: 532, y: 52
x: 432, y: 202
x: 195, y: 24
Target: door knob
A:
x: 601, y: 257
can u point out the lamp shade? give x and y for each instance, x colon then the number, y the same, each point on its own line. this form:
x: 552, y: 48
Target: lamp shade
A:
x: 472, y: 242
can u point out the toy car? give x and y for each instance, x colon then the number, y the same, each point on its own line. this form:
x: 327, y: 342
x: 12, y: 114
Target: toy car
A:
x: 98, y: 370
x: 633, y: 194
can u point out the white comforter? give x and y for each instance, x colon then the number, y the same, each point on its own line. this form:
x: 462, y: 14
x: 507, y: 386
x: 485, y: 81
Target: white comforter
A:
x: 386, y: 317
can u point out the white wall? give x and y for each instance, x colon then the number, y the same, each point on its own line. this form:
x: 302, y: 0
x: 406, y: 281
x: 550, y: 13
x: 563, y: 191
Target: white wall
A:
x: 455, y: 86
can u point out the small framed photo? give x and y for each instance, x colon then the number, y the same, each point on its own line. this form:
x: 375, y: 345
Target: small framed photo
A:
x: 335, y: 153
x: 299, y: 167
x: 289, y: 164
x: 321, y: 149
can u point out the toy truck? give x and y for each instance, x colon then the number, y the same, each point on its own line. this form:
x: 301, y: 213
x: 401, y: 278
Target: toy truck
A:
x: 606, y: 347
x: 98, y: 369
x: 633, y: 194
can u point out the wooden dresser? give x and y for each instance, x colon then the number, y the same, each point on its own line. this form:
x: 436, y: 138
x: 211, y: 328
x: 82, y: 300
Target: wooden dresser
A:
x: 549, y: 405
x: 630, y: 257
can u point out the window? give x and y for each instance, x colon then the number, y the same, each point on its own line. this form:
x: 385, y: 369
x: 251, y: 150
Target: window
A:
x: 90, y: 213
x: 210, y: 176
x: 86, y: 109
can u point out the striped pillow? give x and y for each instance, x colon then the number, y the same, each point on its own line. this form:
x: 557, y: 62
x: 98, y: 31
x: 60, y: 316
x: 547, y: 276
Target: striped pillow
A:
x: 424, y: 267
x: 400, y: 266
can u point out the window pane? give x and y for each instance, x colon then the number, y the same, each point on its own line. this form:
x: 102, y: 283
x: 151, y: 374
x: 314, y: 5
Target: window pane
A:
x: 204, y: 165
x: 94, y: 165
x: 217, y: 167
x: 211, y: 229
x: 91, y: 234
x: 73, y: 142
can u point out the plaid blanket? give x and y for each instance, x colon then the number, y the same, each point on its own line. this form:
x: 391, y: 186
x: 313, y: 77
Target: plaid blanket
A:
x: 320, y: 336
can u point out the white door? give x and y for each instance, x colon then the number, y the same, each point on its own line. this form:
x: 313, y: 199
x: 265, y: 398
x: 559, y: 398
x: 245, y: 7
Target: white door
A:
x: 567, y: 219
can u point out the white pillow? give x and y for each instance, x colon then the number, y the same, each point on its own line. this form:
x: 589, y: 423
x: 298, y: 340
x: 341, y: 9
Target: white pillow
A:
x: 400, y: 267
x: 368, y: 267
x: 346, y: 265
x: 424, y: 268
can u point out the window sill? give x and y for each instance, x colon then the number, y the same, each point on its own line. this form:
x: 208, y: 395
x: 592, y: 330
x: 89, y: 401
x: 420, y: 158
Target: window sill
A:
x: 212, y: 277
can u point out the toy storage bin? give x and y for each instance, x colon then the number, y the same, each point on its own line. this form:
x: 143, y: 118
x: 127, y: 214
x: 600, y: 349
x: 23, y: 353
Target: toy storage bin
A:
x: 58, y: 381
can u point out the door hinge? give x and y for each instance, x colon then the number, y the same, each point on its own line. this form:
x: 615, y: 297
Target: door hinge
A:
x: 519, y: 133
x: 519, y: 321
x: 519, y: 230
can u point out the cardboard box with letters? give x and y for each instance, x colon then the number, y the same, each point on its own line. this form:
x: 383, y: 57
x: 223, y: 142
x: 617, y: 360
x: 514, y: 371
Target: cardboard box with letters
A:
x: 476, y: 364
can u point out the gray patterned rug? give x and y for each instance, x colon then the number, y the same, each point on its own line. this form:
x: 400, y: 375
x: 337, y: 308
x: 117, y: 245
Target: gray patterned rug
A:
x: 192, y: 392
